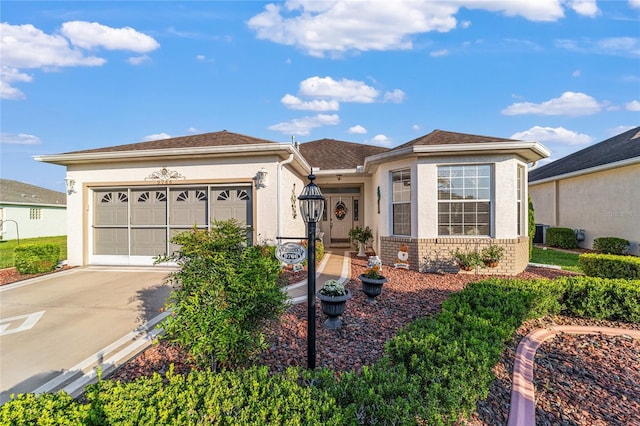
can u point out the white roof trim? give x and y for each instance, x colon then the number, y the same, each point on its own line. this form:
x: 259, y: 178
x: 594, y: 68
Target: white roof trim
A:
x: 601, y: 168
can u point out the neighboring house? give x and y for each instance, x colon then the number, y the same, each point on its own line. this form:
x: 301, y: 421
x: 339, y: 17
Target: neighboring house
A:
x: 28, y: 211
x: 436, y: 193
x: 596, y: 189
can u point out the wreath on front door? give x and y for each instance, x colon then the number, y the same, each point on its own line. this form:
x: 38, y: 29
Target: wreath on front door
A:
x: 340, y: 211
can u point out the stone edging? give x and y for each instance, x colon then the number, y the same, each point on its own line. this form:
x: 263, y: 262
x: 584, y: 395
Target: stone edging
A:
x: 522, y: 410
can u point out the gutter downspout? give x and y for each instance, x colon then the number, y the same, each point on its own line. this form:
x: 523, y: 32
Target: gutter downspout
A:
x: 279, y: 192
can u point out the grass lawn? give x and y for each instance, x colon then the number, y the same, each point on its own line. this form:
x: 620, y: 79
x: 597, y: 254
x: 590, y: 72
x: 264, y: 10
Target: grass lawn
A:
x: 7, y: 248
x: 567, y: 261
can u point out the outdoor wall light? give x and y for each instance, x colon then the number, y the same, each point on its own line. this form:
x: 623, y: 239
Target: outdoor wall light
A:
x: 261, y: 178
x: 70, y: 184
x: 311, y: 208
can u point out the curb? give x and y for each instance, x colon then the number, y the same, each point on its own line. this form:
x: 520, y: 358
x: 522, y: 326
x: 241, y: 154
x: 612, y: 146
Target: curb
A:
x: 522, y: 409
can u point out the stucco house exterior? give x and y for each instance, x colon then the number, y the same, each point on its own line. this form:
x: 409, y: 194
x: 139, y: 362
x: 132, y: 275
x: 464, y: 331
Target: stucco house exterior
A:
x: 433, y: 194
x: 596, y: 189
x: 29, y: 211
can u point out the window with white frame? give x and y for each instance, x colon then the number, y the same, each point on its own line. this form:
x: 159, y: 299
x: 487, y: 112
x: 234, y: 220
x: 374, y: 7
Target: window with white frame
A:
x: 35, y: 214
x: 401, y: 188
x: 464, y: 200
x: 522, y: 205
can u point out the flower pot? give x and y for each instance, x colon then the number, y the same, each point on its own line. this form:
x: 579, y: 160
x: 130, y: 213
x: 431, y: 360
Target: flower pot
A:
x: 490, y: 263
x: 372, y: 287
x: 465, y: 267
x: 362, y: 250
x: 333, y: 307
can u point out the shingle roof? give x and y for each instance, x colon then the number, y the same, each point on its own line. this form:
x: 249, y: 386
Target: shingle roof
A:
x: 334, y: 154
x: 222, y: 138
x: 618, y: 148
x: 442, y: 137
x: 15, y: 192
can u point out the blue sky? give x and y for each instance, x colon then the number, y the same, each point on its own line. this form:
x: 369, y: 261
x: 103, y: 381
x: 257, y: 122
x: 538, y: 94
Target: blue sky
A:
x: 79, y: 75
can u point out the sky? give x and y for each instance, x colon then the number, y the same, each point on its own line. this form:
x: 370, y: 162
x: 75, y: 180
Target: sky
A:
x: 89, y: 74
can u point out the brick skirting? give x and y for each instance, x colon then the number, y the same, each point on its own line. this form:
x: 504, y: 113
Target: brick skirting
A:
x: 434, y: 254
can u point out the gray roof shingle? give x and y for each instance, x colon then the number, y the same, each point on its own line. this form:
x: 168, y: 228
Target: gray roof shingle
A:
x: 14, y: 192
x: 334, y: 154
x: 442, y: 137
x: 618, y: 148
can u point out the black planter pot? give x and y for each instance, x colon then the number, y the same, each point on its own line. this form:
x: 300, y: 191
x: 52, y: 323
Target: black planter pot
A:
x: 372, y: 287
x: 333, y: 307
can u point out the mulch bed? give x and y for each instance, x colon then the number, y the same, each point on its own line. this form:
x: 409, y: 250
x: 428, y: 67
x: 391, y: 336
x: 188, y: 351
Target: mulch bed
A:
x: 580, y: 380
x: 11, y: 275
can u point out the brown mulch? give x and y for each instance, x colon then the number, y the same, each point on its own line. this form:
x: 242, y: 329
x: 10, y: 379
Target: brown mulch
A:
x: 11, y: 275
x: 579, y: 380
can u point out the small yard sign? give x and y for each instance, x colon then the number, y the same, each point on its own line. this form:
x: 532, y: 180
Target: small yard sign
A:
x: 291, y: 253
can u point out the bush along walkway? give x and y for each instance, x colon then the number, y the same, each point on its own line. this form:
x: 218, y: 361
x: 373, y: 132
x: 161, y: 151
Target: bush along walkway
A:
x: 522, y: 409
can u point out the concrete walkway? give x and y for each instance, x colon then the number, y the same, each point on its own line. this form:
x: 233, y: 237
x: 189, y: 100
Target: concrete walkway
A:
x: 522, y: 411
x: 333, y: 267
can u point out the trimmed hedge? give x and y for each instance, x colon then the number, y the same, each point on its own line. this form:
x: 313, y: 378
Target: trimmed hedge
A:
x: 433, y: 372
x: 610, y: 266
x: 37, y: 258
x: 561, y: 238
x: 611, y: 245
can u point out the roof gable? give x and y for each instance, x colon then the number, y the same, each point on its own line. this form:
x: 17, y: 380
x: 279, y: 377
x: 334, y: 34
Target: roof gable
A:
x: 222, y: 138
x: 618, y: 148
x: 442, y: 137
x: 334, y: 154
x: 14, y: 192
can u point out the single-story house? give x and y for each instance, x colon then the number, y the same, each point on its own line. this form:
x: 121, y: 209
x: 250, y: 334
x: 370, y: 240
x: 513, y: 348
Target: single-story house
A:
x: 29, y: 211
x: 596, y: 190
x: 434, y: 194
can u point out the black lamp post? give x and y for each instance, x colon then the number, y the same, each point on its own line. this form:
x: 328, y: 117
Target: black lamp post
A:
x: 311, y: 207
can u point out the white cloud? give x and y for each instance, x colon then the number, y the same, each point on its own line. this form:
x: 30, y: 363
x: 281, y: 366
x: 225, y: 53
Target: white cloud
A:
x: 569, y: 103
x: 19, y: 139
x: 465, y: 24
x: 613, y: 46
x: 380, y: 140
x: 339, y: 26
x: 293, y: 102
x: 303, y: 126
x: 396, y: 97
x: 619, y: 129
x: 344, y: 90
x: 11, y: 75
x: 633, y: 105
x: 438, y: 53
x: 553, y: 135
x: 193, y: 130
x: 576, y: 73
x: 137, y: 60
x: 357, y: 129
x: 634, y: 3
x: 89, y: 35
x: 201, y: 58
x: 584, y: 7
x: 416, y: 127
x: 156, y: 137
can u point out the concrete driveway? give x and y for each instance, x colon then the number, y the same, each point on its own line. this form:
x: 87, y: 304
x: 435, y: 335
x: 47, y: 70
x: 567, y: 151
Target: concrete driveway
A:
x: 55, y: 329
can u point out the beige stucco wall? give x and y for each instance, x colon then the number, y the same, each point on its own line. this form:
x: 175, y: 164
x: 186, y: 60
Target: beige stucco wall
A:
x: 202, y: 171
x: 604, y: 204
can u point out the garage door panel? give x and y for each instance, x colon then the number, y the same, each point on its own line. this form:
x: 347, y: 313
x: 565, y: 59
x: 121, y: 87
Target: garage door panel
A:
x: 111, y: 208
x: 149, y: 207
x: 148, y: 242
x: 111, y: 241
x: 188, y: 207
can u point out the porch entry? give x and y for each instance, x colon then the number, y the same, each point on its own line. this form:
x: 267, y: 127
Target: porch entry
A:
x: 342, y: 212
x: 133, y: 225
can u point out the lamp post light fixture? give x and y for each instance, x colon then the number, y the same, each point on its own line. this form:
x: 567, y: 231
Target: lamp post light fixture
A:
x: 311, y: 207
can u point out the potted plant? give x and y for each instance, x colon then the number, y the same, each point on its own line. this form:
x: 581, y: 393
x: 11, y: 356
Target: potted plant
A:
x: 467, y: 260
x: 361, y: 236
x: 333, y: 300
x: 372, y: 281
x: 491, y: 255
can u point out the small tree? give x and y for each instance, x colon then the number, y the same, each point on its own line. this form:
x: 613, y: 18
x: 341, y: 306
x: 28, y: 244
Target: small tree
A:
x: 225, y: 294
x: 532, y: 226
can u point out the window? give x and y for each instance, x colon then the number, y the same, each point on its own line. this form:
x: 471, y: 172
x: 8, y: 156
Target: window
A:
x: 35, y: 214
x: 401, y: 187
x: 464, y: 200
x: 522, y: 212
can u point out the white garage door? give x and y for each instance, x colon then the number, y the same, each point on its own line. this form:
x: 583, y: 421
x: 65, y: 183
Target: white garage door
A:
x: 131, y: 226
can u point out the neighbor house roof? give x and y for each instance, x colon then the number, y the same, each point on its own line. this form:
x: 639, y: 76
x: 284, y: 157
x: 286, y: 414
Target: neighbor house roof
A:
x: 222, y: 138
x: 624, y: 146
x: 14, y: 192
x: 334, y: 154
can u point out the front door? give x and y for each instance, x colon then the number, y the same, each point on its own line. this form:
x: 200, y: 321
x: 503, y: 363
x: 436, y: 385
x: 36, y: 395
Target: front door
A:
x: 341, y: 218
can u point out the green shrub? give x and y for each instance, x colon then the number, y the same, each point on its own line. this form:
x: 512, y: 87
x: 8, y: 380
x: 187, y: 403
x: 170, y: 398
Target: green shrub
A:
x: 37, y: 258
x: 226, y: 294
x: 610, y: 266
x: 562, y: 238
x: 599, y: 298
x: 532, y: 226
x: 611, y: 245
